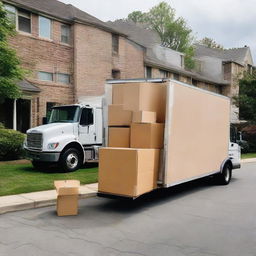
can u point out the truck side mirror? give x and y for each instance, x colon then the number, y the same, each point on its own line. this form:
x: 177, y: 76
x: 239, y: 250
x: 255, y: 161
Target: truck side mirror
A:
x: 45, y: 121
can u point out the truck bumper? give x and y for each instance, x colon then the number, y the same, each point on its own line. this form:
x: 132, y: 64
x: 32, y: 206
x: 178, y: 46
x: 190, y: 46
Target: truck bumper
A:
x: 43, y: 156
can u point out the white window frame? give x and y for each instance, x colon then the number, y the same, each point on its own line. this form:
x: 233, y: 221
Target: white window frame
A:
x: 40, y: 16
x: 17, y: 19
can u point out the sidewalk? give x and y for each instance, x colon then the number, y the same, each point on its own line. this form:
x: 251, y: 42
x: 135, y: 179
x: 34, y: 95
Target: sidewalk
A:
x: 248, y: 160
x: 40, y: 199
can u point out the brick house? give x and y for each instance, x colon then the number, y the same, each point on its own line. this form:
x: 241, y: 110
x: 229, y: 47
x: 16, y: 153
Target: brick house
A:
x: 70, y: 55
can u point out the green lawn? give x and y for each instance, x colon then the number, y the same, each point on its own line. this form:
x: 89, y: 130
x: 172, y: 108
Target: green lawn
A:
x: 22, y: 178
x: 248, y: 155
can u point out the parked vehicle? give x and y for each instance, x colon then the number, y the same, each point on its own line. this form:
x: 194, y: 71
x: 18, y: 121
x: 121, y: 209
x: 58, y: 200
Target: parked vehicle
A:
x: 74, y: 134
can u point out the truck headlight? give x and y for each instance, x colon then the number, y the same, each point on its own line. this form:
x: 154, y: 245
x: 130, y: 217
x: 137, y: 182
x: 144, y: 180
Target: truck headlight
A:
x: 53, y: 145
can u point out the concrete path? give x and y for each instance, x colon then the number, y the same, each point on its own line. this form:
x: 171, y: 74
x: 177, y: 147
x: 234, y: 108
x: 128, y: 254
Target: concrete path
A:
x: 40, y: 199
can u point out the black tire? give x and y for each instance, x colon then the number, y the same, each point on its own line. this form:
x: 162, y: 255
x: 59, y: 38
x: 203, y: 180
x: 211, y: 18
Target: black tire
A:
x: 70, y: 160
x: 225, y: 176
x: 41, y: 166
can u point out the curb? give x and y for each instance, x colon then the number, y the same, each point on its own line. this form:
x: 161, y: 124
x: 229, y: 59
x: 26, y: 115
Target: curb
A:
x: 40, y: 199
x: 248, y: 160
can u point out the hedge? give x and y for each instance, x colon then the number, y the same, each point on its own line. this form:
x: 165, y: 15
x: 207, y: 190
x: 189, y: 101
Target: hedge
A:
x: 10, y: 144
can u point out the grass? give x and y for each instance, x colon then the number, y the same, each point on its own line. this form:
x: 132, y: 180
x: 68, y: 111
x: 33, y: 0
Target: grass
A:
x: 248, y: 155
x: 23, y: 178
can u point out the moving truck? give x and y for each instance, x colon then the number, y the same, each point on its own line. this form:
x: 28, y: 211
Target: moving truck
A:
x: 161, y: 133
x: 75, y: 133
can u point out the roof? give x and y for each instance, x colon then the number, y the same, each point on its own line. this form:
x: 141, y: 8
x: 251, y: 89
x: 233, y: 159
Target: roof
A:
x: 237, y: 55
x: 27, y: 86
x: 136, y: 32
x: 57, y: 9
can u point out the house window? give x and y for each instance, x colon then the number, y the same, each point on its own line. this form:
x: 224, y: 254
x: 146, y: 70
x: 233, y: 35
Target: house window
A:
x: 115, y: 44
x: 45, y: 27
x: 148, y: 72
x: 63, y: 78
x: 24, y: 21
x: 163, y: 73
x: 11, y: 13
x: 45, y: 76
x: 176, y: 76
x: 65, y: 34
x: 116, y: 74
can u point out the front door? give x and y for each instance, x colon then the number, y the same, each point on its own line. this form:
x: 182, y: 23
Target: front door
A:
x: 23, y: 114
x: 87, y: 135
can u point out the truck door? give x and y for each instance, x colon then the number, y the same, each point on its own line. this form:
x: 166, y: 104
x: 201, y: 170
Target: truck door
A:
x: 87, y: 127
x: 234, y: 148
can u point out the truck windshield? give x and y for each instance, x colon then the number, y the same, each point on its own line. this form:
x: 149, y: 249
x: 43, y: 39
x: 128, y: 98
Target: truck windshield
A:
x: 68, y: 114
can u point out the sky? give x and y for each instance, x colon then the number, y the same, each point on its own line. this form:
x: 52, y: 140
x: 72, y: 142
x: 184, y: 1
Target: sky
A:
x: 229, y: 22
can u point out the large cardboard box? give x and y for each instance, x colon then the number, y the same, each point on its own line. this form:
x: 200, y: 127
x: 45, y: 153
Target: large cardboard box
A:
x: 128, y: 172
x: 147, y: 135
x: 117, y: 116
x: 67, y: 197
x: 119, y: 137
x: 143, y: 117
x: 118, y: 94
x: 147, y: 97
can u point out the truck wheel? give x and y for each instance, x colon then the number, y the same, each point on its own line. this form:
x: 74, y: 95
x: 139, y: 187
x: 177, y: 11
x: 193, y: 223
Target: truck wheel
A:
x: 40, y: 165
x: 70, y: 160
x: 226, y: 175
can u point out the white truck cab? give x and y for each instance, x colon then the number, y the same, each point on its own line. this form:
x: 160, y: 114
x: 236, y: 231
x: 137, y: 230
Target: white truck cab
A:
x: 72, y: 136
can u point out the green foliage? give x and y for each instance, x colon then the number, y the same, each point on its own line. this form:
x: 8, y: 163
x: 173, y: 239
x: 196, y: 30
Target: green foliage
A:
x: 10, y: 144
x: 136, y: 17
x: 174, y: 32
x: 246, y: 101
x: 210, y: 43
x: 189, y: 61
x: 10, y: 70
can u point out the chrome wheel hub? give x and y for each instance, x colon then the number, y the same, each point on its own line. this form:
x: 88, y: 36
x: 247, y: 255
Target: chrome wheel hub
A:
x: 72, y: 160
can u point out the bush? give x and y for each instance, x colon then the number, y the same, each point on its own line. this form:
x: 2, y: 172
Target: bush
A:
x: 10, y: 144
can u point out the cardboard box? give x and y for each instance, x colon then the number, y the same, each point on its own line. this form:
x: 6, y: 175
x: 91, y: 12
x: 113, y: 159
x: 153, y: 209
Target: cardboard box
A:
x: 147, y: 97
x: 144, y: 117
x: 119, y: 137
x: 147, y: 135
x: 117, y: 116
x: 67, y: 197
x: 128, y: 172
x: 118, y: 94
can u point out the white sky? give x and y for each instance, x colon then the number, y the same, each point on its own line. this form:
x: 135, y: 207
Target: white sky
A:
x: 229, y: 22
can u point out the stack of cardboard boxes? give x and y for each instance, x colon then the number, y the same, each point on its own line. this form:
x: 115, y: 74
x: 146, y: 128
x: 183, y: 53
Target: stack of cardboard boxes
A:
x: 129, y: 165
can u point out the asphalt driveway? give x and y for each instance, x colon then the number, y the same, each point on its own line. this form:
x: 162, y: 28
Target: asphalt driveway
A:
x: 193, y: 219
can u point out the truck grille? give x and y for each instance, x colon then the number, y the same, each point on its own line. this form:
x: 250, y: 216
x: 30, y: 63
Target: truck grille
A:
x: 34, y: 140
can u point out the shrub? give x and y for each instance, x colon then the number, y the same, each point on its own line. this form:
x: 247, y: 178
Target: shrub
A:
x: 10, y: 144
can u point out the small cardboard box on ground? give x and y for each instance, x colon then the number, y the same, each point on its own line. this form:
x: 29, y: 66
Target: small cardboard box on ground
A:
x: 117, y: 116
x: 147, y: 135
x: 67, y: 197
x: 143, y: 117
x: 146, y: 97
x: 128, y: 172
x: 119, y: 137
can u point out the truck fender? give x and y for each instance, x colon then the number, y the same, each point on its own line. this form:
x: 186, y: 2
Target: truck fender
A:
x: 77, y: 145
x: 224, y: 163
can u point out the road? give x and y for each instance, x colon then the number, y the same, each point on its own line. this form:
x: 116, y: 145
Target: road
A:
x: 193, y: 219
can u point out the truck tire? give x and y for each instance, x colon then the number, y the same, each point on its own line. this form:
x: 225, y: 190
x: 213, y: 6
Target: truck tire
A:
x: 70, y: 160
x: 225, y: 176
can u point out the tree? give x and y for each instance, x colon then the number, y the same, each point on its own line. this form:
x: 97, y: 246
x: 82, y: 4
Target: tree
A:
x: 10, y: 70
x: 246, y: 101
x: 210, y: 43
x: 174, y: 32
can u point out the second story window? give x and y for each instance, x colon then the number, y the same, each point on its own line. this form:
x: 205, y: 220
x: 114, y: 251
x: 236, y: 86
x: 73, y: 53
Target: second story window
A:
x: 164, y: 73
x: 176, y: 76
x: 24, y: 21
x: 63, y: 78
x: 115, y: 44
x: 45, y: 76
x: 45, y: 29
x: 11, y: 13
x: 148, y: 72
x: 65, y: 34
